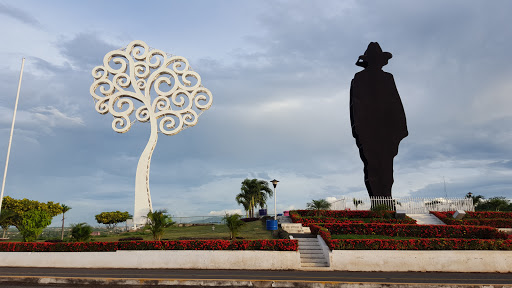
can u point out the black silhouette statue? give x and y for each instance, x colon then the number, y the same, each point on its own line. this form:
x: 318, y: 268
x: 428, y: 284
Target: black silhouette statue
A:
x: 378, y: 119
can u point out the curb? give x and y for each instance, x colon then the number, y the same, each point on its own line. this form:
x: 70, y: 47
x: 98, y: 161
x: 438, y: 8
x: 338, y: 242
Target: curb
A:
x: 144, y: 282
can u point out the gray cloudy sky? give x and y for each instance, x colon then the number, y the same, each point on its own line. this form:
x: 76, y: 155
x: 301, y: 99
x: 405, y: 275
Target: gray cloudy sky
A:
x: 280, y: 74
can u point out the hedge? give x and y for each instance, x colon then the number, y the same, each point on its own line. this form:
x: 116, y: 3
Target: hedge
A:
x: 412, y: 244
x: 420, y: 231
x: 344, y: 217
x: 492, y: 219
x: 339, y: 213
x: 268, y: 245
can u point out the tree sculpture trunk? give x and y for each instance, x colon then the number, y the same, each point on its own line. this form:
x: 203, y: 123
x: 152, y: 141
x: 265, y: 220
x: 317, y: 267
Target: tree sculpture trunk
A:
x: 142, y: 194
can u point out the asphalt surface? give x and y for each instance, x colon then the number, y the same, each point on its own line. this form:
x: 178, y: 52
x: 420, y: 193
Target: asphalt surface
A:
x: 253, y: 275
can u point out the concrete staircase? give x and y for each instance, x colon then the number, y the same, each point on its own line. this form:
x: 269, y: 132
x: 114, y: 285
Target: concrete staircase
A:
x: 426, y: 219
x: 311, y: 253
x: 295, y: 228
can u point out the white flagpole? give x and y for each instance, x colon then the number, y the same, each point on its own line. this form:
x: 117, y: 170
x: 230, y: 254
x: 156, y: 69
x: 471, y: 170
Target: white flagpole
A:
x: 12, y: 130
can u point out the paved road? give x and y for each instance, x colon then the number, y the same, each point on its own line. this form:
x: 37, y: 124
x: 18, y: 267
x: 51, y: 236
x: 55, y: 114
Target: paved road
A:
x: 315, y: 276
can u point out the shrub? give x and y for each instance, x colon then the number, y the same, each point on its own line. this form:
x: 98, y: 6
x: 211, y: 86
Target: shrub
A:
x: 131, y: 239
x: 421, y: 244
x: 54, y: 241
x: 282, y: 234
x: 157, y: 222
x: 383, y: 211
x: 345, y: 216
x: 420, y: 231
x: 492, y: 219
x: 249, y: 219
x: 267, y: 245
x: 234, y: 224
x: 81, y: 232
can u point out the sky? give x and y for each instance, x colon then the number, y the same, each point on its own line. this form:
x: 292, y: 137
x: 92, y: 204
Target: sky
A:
x: 280, y: 74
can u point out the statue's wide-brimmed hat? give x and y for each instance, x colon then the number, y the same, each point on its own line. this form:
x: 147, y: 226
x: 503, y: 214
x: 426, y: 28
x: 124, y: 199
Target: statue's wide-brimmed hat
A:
x: 373, y: 56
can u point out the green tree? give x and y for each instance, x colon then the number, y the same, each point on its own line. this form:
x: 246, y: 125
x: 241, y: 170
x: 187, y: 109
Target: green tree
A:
x: 6, y: 220
x: 65, y: 209
x: 111, y: 219
x: 33, y: 223
x: 157, y: 222
x: 476, y: 198
x: 382, y: 210
x: 494, y: 204
x: 81, y: 232
x: 253, y: 193
x: 317, y: 205
x: 234, y: 224
x: 26, y: 219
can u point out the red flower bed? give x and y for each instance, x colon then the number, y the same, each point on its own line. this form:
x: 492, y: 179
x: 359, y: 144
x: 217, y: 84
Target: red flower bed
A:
x: 343, y: 217
x: 477, y: 218
x: 420, y: 231
x: 420, y: 244
x: 489, y: 215
x: 338, y: 213
x: 412, y: 244
x: 268, y: 245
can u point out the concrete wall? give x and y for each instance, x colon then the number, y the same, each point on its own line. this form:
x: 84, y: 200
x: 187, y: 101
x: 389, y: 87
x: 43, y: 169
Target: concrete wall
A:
x: 422, y: 261
x: 340, y: 260
x: 182, y: 259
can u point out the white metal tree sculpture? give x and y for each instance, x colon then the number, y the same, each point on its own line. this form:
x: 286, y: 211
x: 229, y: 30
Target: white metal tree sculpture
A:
x: 168, y: 94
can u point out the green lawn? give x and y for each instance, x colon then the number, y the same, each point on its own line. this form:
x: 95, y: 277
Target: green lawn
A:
x: 251, y: 230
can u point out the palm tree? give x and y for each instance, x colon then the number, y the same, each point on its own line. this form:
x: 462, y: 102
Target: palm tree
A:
x: 245, y: 200
x: 65, y: 209
x: 157, y: 222
x: 318, y: 205
x: 253, y: 193
x: 234, y: 224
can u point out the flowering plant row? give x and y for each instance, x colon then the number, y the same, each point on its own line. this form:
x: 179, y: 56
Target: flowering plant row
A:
x: 419, y: 231
x: 412, y: 244
x: 349, y: 218
x: 268, y: 245
x: 488, y: 215
x: 476, y: 218
x: 339, y: 213
x: 305, y: 221
x: 420, y: 244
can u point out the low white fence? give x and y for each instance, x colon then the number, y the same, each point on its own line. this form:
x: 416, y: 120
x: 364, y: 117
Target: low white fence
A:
x: 411, y: 205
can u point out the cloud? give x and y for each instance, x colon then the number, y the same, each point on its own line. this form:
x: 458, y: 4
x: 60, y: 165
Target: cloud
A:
x: 86, y: 50
x: 19, y: 15
x: 228, y: 211
x: 52, y: 117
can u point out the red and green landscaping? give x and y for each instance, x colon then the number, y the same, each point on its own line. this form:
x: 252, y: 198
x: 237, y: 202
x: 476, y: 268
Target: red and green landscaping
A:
x: 492, y: 219
x: 375, y: 230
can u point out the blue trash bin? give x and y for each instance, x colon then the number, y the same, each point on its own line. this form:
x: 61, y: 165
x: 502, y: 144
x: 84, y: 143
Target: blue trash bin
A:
x: 272, y: 225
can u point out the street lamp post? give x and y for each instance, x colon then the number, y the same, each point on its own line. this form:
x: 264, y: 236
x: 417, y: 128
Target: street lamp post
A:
x: 274, y: 182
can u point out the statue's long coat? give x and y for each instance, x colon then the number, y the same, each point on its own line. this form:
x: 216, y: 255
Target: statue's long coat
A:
x: 378, y: 125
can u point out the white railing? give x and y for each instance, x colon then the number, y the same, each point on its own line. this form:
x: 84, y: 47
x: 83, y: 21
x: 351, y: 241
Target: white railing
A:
x: 411, y: 205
